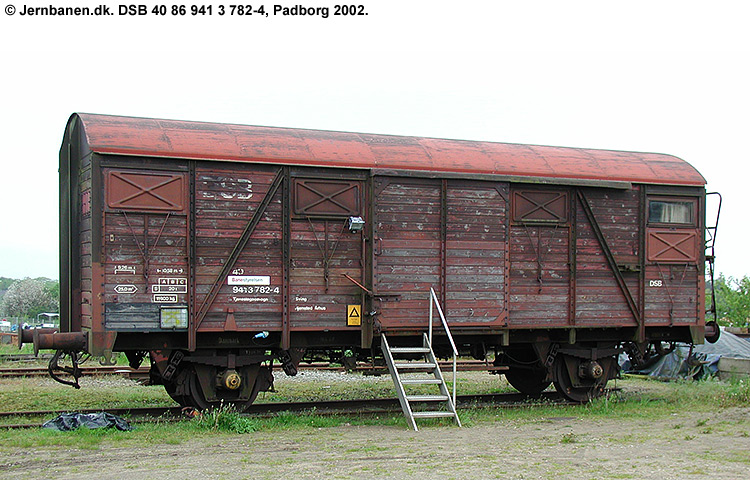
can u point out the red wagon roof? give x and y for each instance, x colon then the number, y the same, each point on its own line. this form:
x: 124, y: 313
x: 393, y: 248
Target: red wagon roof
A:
x: 227, y: 142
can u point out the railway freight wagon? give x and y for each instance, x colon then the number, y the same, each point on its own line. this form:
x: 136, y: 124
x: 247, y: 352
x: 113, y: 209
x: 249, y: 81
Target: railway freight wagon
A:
x: 214, y: 250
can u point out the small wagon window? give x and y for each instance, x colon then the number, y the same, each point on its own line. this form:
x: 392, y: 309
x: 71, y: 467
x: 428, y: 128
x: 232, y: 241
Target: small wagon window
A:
x: 681, y: 212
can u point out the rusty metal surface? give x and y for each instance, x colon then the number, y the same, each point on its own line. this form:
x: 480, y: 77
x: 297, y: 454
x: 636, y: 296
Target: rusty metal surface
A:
x: 210, y: 141
x: 67, y: 341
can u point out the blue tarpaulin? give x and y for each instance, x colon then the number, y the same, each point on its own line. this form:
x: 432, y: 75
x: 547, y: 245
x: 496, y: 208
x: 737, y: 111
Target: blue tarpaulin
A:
x: 704, y: 361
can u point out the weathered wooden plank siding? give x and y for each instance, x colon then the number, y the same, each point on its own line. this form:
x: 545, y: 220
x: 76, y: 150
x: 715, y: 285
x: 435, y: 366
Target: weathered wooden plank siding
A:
x: 131, y: 239
x: 227, y: 197
x: 539, y: 276
x: 85, y: 249
x: 316, y: 302
x: 675, y: 300
x: 475, y: 279
x: 617, y: 212
x: 407, y: 226
x: 599, y: 300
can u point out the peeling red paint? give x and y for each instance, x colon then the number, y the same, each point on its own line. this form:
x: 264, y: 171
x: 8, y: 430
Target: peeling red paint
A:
x: 212, y: 141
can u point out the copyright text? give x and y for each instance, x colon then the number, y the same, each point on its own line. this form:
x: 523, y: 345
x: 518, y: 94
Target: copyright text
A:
x: 166, y: 10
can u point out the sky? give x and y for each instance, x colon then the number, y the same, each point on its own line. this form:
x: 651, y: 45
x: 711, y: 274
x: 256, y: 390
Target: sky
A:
x: 668, y: 77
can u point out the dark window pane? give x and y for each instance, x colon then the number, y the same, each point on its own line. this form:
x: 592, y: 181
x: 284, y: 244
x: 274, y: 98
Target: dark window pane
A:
x: 670, y: 212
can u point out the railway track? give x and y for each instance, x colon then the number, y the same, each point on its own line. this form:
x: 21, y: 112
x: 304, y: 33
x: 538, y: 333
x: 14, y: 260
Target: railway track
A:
x: 325, y: 407
x: 142, y: 372
x: 97, y: 370
x: 24, y: 357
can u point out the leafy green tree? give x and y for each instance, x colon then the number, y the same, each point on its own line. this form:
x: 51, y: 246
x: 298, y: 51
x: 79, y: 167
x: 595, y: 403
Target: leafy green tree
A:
x: 53, y: 288
x: 5, y: 283
x: 732, y: 301
x: 29, y: 297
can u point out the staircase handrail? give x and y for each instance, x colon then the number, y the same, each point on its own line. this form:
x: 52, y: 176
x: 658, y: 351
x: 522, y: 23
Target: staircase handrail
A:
x: 434, y: 300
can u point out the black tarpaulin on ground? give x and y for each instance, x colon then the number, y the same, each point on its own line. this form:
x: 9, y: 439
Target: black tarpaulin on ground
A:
x: 71, y: 421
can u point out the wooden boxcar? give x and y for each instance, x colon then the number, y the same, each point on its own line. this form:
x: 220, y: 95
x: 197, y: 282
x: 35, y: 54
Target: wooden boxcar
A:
x: 214, y: 248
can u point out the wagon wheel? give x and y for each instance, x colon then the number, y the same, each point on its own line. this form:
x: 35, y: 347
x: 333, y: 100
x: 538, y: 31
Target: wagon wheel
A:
x: 177, y: 390
x: 528, y: 381
x: 570, y: 384
x: 182, y: 400
x: 197, y: 398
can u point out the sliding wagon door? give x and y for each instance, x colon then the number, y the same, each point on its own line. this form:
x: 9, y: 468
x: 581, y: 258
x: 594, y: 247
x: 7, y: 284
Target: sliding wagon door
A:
x: 449, y: 235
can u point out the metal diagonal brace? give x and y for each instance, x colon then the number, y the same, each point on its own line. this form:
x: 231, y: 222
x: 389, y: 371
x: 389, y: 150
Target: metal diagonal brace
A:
x: 612, y: 264
x: 237, y: 250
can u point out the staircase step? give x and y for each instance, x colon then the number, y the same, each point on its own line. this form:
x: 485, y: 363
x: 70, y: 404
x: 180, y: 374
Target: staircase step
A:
x: 427, y: 398
x: 410, y: 350
x: 415, y: 365
x: 421, y: 381
x: 432, y: 414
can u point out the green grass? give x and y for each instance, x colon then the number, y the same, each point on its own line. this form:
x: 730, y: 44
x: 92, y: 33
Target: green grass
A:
x: 29, y: 349
x: 638, y: 399
x: 13, y: 350
x: 40, y: 393
x: 8, y: 349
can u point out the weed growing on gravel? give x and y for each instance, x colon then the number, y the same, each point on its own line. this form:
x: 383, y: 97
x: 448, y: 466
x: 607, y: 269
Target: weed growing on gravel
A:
x: 568, y: 438
x: 737, y: 394
x: 225, y: 419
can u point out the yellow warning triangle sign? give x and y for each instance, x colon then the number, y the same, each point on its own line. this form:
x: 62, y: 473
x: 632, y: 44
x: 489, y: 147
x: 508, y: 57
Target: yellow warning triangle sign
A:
x: 353, y: 314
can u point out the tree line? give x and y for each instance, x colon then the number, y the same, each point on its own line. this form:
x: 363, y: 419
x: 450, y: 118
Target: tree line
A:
x: 29, y: 297
x: 732, y: 301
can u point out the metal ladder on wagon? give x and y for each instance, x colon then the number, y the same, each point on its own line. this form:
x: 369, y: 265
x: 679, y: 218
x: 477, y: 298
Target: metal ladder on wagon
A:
x: 429, y: 365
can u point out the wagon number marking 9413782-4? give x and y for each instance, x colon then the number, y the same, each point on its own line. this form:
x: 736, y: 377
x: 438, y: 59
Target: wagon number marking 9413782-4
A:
x: 263, y: 290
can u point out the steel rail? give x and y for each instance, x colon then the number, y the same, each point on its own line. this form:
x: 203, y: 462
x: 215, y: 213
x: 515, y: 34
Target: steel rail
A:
x: 323, y: 407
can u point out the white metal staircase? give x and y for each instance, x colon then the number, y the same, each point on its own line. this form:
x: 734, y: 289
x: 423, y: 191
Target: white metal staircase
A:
x: 405, y: 374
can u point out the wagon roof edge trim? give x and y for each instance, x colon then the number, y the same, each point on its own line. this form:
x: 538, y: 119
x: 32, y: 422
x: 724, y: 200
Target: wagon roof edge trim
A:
x: 132, y: 136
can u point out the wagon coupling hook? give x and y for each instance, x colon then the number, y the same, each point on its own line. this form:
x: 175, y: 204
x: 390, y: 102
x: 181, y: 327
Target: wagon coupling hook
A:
x: 73, y: 370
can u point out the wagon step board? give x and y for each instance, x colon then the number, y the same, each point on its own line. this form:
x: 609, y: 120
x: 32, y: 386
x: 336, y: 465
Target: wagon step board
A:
x: 432, y: 414
x: 409, y: 350
x: 421, y: 381
x: 415, y: 365
x: 427, y: 398
x: 424, y: 371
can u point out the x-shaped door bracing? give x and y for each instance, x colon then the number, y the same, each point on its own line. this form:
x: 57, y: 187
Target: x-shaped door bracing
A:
x: 674, y: 246
x: 148, y: 190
